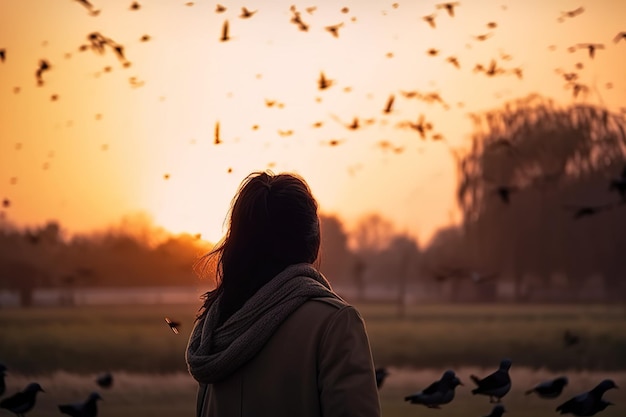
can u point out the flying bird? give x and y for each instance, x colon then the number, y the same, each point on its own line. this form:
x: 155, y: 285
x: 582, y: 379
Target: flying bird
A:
x: 334, y: 29
x: 430, y: 19
x: 89, y: 408
x: 105, y: 380
x: 323, y: 82
x: 23, y: 401
x: 438, y: 393
x: 225, y: 36
x: 245, y: 13
x: 449, y: 7
x: 592, y: 47
x: 495, y: 385
x: 174, y: 325
x: 389, y: 106
x: 588, y: 403
x: 549, y: 389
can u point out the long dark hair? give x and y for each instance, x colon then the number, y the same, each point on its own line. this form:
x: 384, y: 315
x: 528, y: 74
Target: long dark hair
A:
x: 273, y: 223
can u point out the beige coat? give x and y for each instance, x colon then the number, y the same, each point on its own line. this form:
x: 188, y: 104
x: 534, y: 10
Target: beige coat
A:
x: 318, y: 363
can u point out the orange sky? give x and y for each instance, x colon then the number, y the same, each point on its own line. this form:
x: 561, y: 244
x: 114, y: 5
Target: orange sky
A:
x: 101, y: 150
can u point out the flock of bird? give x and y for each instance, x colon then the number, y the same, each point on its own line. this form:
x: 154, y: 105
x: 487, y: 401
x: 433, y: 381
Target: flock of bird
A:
x: 24, y: 401
x: 498, y: 384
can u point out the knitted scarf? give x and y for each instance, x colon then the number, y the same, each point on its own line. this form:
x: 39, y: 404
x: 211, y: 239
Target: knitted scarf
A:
x: 213, y: 353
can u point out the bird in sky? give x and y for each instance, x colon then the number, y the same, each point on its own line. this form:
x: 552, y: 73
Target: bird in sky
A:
x: 449, y: 7
x: 225, y: 37
x: 588, y: 403
x: 549, y: 389
x: 174, y: 325
x: 245, y: 13
x: 592, y: 47
x: 89, y: 408
x: 431, y: 20
x: 389, y: 106
x: 334, y: 29
x: 438, y: 393
x: 22, y: 401
x: 323, y: 82
x: 495, y: 385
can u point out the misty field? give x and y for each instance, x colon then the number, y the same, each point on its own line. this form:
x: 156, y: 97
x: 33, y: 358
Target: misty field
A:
x: 64, y: 348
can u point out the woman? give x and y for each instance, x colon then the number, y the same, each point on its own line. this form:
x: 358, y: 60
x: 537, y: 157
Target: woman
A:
x: 273, y: 339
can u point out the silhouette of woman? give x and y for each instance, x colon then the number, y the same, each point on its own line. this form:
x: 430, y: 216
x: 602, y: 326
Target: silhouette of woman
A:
x: 273, y: 338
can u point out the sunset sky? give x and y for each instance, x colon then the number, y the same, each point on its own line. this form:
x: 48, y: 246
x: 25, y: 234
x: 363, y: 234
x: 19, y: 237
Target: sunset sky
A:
x: 141, y: 138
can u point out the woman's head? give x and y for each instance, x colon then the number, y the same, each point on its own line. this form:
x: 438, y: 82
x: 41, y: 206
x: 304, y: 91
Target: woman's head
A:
x: 273, y: 223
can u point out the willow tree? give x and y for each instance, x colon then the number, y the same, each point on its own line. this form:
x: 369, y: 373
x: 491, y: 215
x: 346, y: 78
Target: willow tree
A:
x: 532, y: 166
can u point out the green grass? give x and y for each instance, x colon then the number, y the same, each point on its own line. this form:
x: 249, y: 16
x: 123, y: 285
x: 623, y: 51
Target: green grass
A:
x: 137, y: 339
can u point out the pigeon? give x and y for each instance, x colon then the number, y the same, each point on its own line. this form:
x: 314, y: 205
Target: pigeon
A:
x: 23, y: 401
x: 87, y: 409
x: 497, y: 411
x: 549, y: 389
x: 3, y: 386
x: 105, y: 380
x: 588, y: 403
x: 438, y: 393
x: 381, y: 374
x: 496, y: 384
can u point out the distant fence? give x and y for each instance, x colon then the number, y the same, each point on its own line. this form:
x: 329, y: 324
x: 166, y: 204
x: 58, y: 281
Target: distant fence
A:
x: 102, y: 296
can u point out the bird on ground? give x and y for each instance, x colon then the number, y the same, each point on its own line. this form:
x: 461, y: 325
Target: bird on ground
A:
x: 495, y: 385
x: 438, y: 393
x: 381, y: 375
x: 174, y: 325
x: 592, y: 47
x: 504, y: 192
x: 89, y: 408
x: 3, y: 386
x: 549, y: 389
x: 570, y: 338
x: 23, y: 401
x: 497, y: 411
x: 449, y: 7
x: 619, y: 37
x: 105, y: 380
x: 588, y: 403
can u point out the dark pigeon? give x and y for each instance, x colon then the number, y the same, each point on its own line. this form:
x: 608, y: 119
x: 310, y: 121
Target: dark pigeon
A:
x: 497, y: 411
x: 438, y: 393
x: 88, y: 408
x: 549, y: 389
x: 105, y: 380
x: 23, y: 401
x: 496, y: 384
x: 3, y: 386
x: 381, y: 374
x: 588, y: 403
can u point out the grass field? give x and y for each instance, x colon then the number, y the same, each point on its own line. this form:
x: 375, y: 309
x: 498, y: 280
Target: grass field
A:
x: 63, y: 348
